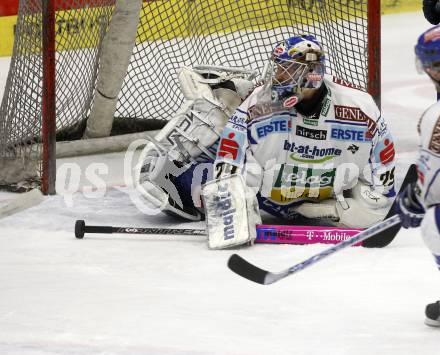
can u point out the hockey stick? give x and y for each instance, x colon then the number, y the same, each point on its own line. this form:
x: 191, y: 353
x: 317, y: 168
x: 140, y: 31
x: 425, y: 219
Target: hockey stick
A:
x: 268, y: 234
x: 81, y: 229
x: 253, y: 273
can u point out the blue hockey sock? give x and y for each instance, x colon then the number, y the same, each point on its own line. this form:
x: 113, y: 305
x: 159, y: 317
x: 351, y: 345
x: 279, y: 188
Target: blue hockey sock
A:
x: 437, y: 260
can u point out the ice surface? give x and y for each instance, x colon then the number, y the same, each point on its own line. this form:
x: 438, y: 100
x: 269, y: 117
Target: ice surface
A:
x: 171, y: 295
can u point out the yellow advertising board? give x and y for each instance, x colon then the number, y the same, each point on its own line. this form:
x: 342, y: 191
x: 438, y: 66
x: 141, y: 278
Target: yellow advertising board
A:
x: 7, y: 25
x: 188, y: 18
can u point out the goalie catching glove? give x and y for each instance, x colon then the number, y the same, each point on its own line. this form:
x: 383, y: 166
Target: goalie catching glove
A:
x: 231, y: 210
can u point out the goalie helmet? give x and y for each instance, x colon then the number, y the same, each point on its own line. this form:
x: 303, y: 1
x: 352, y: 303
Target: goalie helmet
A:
x: 297, y: 64
x: 427, y: 52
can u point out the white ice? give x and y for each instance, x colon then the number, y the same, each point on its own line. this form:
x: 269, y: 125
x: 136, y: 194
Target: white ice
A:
x: 173, y: 296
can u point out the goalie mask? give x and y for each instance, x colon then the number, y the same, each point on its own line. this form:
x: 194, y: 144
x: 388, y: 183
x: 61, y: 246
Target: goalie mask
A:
x: 297, y: 64
x: 428, y: 53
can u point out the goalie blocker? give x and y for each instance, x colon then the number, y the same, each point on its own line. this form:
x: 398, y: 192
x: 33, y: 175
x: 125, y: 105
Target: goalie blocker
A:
x: 232, y: 212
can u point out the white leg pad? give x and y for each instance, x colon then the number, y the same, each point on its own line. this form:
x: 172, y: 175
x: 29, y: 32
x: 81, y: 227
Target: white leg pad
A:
x: 22, y: 202
x: 231, y: 210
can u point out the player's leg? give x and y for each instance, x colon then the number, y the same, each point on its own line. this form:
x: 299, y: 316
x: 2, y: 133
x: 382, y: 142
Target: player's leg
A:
x: 175, y: 188
x: 430, y: 228
x: 432, y: 313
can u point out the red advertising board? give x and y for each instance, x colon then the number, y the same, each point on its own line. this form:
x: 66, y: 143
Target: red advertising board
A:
x: 8, y: 7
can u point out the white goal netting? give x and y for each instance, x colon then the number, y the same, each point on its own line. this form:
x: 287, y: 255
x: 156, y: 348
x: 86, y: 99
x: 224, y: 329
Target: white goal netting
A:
x: 170, y: 34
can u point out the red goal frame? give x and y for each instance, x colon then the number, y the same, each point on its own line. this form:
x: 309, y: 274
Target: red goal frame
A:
x: 49, y: 90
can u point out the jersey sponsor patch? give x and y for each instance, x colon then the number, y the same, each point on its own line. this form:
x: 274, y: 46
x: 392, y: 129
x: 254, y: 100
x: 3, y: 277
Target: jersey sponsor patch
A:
x: 355, y: 114
x: 326, y: 107
x: 310, y: 154
x: 317, y: 134
x: 231, y: 145
x: 346, y: 83
x: 387, y: 154
x: 264, y: 110
x: 434, y: 144
x: 238, y: 120
x: 372, y: 128
x: 350, y: 133
x: 353, y: 148
x: 310, y: 121
x: 349, y: 113
x: 277, y: 124
x: 296, y: 183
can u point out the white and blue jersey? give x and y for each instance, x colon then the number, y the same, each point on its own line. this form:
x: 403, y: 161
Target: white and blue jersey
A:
x: 292, y: 157
x: 428, y: 163
x: 428, y: 183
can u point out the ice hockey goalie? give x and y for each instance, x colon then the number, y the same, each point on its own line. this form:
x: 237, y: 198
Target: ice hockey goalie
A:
x: 300, y: 142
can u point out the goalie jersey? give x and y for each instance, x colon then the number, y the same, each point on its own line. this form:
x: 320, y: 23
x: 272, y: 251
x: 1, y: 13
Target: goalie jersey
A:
x: 309, y: 153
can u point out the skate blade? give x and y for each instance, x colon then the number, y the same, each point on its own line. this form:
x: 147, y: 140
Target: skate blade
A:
x: 432, y: 322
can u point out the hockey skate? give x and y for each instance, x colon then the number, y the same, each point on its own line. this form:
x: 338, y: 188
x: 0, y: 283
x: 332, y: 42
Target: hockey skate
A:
x: 432, y: 313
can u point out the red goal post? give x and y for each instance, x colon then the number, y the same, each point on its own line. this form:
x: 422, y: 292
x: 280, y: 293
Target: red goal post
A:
x: 53, y: 91
x: 48, y: 104
x: 374, y: 50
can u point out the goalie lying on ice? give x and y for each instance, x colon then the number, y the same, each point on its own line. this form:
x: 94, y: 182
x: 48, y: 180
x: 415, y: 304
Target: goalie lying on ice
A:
x: 301, y: 143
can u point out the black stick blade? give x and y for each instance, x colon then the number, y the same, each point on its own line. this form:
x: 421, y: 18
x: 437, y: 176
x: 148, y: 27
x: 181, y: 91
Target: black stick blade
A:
x: 245, y: 269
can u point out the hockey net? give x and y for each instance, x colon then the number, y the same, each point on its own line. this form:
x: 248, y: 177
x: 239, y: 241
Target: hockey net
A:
x: 170, y: 34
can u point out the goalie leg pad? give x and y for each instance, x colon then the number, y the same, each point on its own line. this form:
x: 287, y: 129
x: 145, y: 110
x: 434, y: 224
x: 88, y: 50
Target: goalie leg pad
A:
x: 175, y: 188
x: 323, y: 209
x: 232, y: 212
x: 365, y: 208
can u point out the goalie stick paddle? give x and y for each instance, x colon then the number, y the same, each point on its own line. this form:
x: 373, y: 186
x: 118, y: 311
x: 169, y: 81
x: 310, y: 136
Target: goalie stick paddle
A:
x: 385, y: 237
x: 253, y: 273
